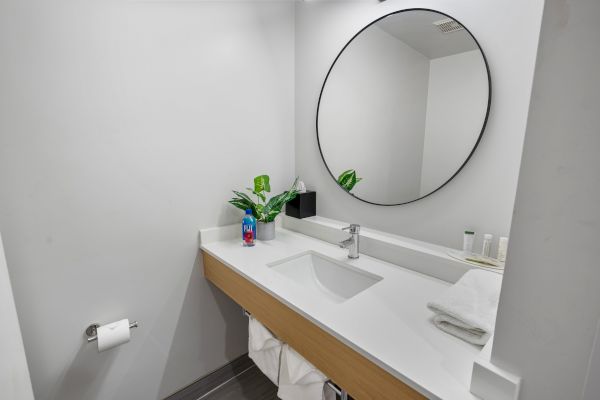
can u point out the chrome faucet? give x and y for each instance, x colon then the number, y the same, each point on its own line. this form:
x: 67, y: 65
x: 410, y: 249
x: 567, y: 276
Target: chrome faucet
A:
x: 352, y: 242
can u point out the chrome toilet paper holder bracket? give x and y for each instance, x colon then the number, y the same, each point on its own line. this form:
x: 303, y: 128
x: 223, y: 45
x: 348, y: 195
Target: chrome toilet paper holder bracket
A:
x: 92, y: 331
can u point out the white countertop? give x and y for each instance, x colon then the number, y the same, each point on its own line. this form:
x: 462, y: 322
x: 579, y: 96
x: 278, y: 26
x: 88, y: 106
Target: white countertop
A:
x: 388, y: 323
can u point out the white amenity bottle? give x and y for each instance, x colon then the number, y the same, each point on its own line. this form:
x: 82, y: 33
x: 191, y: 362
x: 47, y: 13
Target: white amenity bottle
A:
x: 487, y: 244
x: 502, y: 248
x: 468, y: 240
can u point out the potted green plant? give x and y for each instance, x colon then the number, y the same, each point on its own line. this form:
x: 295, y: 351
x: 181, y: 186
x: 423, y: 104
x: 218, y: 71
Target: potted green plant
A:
x: 264, y: 211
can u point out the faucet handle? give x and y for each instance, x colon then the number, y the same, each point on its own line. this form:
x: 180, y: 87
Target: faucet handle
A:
x: 353, y: 228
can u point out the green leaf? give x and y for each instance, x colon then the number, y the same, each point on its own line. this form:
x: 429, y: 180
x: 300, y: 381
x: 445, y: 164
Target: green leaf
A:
x: 276, y: 203
x: 243, y: 196
x: 239, y: 204
x: 348, y: 179
x: 260, y: 212
x: 344, y: 177
x: 243, y: 202
x: 261, y: 195
x: 262, y: 184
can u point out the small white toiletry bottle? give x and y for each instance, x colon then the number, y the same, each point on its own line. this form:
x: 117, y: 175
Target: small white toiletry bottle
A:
x: 502, y: 248
x: 468, y: 240
x: 487, y: 244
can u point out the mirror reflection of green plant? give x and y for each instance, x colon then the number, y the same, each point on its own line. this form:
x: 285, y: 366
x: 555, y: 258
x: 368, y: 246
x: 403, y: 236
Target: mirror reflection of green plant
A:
x: 348, y: 179
x: 263, y: 210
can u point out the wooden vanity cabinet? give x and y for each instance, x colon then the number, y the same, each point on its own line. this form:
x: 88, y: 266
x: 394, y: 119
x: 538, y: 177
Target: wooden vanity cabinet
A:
x: 360, y: 377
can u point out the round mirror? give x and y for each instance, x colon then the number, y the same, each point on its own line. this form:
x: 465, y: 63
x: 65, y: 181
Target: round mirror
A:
x: 403, y: 107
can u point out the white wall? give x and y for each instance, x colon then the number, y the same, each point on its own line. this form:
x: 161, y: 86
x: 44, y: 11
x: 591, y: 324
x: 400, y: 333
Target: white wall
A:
x: 14, y: 374
x: 365, y: 85
x: 550, y: 304
x: 456, y: 106
x: 482, y: 196
x: 123, y: 127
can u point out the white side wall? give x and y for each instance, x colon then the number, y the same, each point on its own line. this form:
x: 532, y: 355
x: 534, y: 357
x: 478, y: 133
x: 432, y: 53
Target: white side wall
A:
x: 481, y: 197
x: 14, y: 374
x: 456, y: 106
x: 123, y: 127
x: 365, y: 84
x: 550, y: 304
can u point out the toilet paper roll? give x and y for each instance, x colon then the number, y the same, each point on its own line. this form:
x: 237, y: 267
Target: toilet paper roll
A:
x: 113, y: 334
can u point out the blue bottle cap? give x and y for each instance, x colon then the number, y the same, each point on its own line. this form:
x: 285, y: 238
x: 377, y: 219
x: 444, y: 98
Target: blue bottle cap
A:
x: 249, y: 211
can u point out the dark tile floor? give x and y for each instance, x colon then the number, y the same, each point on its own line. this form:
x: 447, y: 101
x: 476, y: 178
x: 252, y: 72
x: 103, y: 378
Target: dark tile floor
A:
x: 249, y: 385
x: 239, y: 380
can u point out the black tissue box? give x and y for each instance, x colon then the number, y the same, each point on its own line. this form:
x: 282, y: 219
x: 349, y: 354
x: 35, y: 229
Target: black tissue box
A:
x: 304, y: 205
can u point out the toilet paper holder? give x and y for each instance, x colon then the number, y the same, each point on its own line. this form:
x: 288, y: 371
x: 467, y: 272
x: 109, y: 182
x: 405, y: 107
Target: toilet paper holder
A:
x: 92, y: 330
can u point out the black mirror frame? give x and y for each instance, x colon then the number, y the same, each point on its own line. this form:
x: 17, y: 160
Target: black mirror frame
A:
x: 487, y: 113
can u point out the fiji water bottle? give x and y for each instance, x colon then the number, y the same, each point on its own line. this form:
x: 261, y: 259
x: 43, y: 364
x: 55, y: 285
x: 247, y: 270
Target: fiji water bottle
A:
x: 248, y: 229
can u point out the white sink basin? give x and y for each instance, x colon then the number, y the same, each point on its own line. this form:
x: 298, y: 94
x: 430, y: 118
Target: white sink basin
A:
x: 328, y: 278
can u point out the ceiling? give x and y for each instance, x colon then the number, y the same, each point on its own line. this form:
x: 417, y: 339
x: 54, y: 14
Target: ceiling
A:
x: 416, y: 29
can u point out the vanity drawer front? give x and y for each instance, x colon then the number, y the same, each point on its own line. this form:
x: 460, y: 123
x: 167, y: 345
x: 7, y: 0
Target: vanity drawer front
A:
x: 360, y: 377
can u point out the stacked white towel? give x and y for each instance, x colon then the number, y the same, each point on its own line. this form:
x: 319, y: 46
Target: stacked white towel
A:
x: 468, y: 308
x: 264, y: 349
x: 300, y: 380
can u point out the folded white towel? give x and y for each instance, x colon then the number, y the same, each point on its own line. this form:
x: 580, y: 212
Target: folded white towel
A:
x: 264, y: 349
x: 299, y: 379
x: 468, y: 308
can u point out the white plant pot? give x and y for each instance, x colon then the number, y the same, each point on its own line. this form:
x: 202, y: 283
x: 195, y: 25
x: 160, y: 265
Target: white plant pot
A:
x: 265, y: 230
